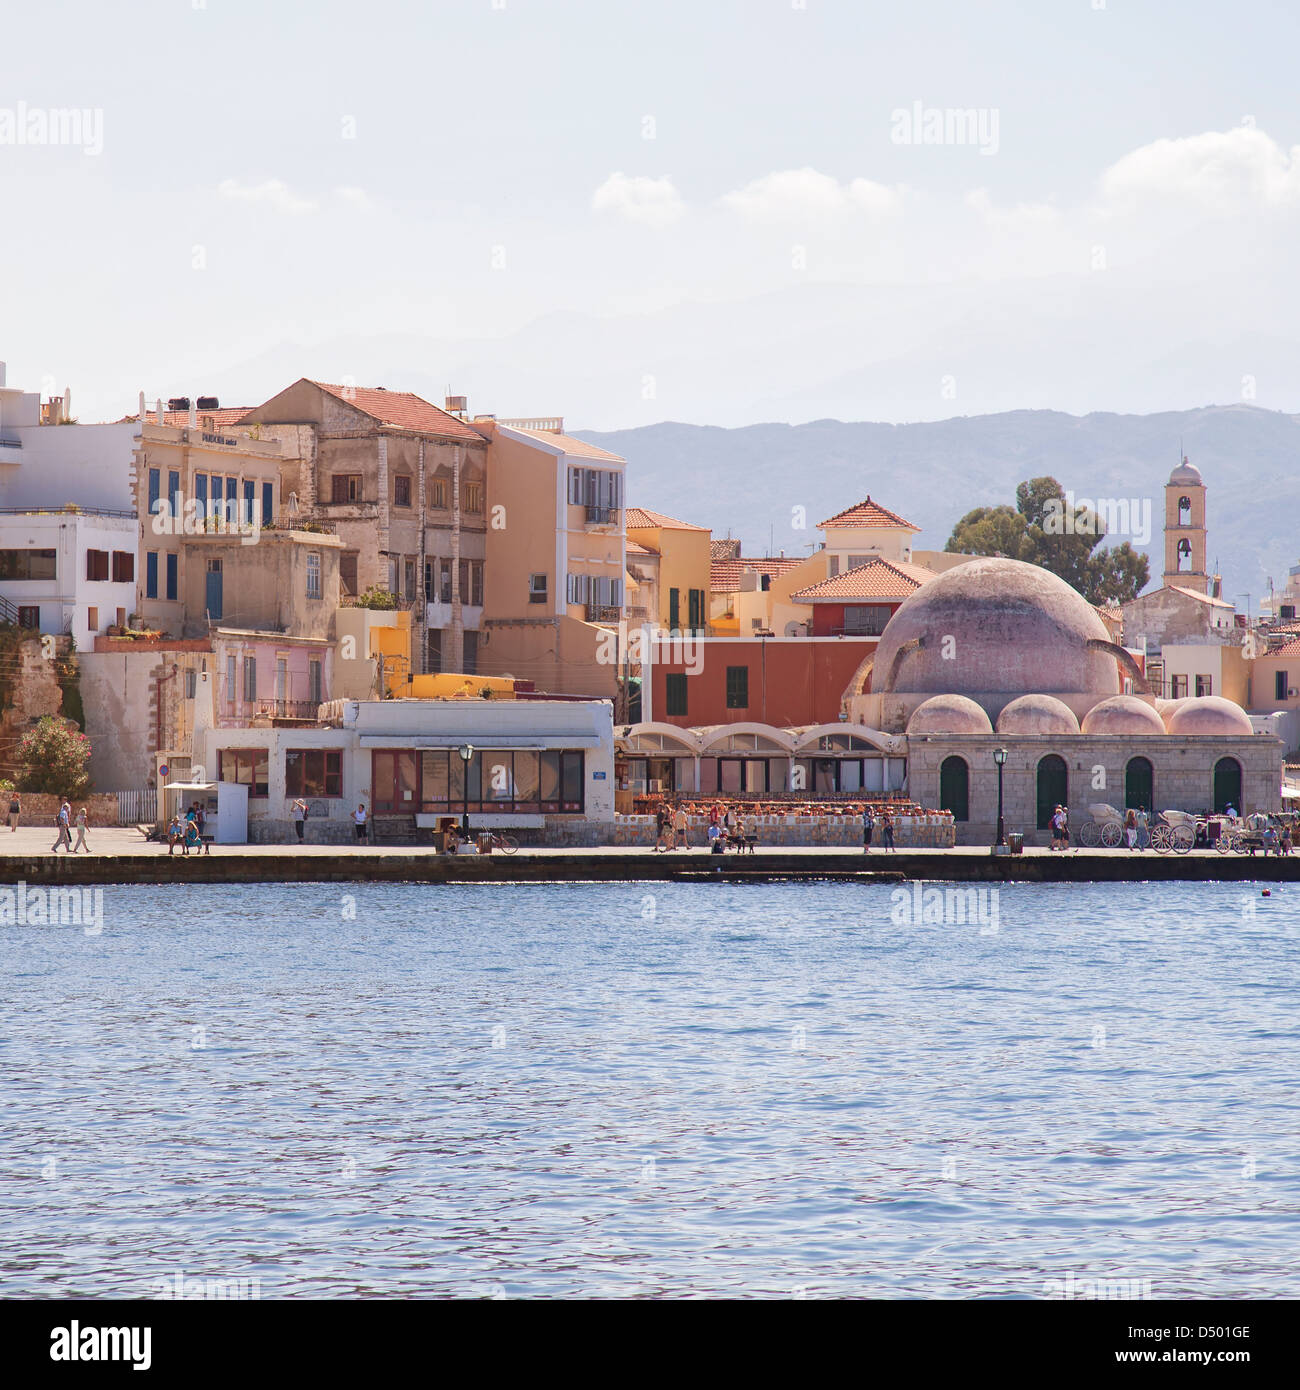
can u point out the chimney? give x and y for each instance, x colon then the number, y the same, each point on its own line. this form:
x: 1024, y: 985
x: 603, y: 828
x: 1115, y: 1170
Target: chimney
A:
x: 142, y: 407
x: 457, y: 405
x: 67, y: 402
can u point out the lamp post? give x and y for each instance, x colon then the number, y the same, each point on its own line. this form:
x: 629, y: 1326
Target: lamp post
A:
x: 466, y: 751
x: 1000, y: 757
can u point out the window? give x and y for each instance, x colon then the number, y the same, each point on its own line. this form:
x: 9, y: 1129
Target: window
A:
x: 1279, y: 685
x: 473, y: 497
x: 408, y: 576
x: 268, y: 503
x: 437, y: 780
x: 314, y: 682
x: 433, y: 651
x: 151, y: 574
x: 249, y: 767
x: 1177, y: 687
x: 29, y: 615
x: 250, y: 679
x: 314, y: 772
x: 439, y: 493
x: 28, y: 564
x: 696, y: 602
x: 214, y: 496
x: 201, y: 492
x: 250, y: 499
x: 596, y: 589
x: 123, y: 567
x: 97, y: 565
x: 866, y: 619
x: 471, y: 582
x: 737, y: 687
x: 92, y: 619
x: 230, y: 682
x: 173, y: 586
x: 536, y: 588
x: 402, y: 490
x: 348, y: 571
x: 675, y: 693
x: 174, y: 490
x: 1204, y: 685
x: 674, y: 610
x: 1287, y: 612
x: 313, y: 574
x: 346, y: 487
x: 191, y: 683
x: 599, y: 490
x: 765, y: 582
x: 444, y: 581
x: 469, y: 652
x: 155, y: 489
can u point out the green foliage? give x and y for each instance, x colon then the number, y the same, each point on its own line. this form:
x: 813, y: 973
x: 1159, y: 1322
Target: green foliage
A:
x: 377, y: 598
x: 53, y: 758
x: 68, y: 675
x: 1043, y: 529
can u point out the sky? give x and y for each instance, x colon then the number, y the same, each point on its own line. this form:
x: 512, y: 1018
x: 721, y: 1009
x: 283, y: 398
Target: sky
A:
x: 624, y: 211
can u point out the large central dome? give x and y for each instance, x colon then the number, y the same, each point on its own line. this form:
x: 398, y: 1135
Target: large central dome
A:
x: 995, y: 627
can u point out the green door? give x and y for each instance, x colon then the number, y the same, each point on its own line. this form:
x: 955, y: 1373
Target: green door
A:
x: 1227, y: 785
x: 1053, y: 788
x: 954, y: 788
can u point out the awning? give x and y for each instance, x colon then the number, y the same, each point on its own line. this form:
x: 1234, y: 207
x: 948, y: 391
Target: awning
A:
x: 407, y: 742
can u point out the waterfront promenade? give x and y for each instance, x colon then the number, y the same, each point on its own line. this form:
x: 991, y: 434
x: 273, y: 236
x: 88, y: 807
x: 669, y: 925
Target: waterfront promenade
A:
x: 122, y: 855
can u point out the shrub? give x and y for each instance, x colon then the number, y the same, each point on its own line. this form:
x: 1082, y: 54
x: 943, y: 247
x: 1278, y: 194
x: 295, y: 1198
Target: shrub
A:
x: 53, y: 758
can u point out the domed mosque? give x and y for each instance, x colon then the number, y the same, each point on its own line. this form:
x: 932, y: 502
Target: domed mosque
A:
x: 995, y: 654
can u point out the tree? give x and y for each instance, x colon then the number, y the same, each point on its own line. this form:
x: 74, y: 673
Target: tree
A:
x: 1046, y: 528
x: 53, y: 759
x: 375, y: 597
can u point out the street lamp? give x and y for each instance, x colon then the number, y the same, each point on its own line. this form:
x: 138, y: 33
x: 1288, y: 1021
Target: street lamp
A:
x: 466, y: 751
x: 1000, y: 757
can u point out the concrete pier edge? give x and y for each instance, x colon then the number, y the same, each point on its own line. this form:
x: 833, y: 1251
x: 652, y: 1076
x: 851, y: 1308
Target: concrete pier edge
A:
x: 643, y: 866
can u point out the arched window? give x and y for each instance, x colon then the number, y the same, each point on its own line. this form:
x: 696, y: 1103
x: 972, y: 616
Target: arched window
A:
x: 1138, y: 783
x: 1184, y: 511
x: 1053, y: 788
x: 954, y: 788
x: 1227, y: 785
x: 1184, y: 556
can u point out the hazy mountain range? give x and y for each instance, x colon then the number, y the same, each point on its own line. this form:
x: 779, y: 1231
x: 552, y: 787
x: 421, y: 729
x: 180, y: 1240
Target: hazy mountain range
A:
x: 750, y: 481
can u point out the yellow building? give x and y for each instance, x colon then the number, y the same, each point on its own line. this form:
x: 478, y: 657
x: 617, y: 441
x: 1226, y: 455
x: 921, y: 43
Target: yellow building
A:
x: 683, y: 571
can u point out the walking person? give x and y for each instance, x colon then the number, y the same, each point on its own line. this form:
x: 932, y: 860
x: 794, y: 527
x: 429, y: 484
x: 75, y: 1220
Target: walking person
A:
x: 868, y: 825
x: 663, y: 827
x: 81, y: 832
x: 63, y: 820
x: 300, y: 817
x: 359, y: 822
x: 681, y: 838
x: 1143, y: 828
x: 887, y: 831
x: 1131, y: 828
x: 15, y: 810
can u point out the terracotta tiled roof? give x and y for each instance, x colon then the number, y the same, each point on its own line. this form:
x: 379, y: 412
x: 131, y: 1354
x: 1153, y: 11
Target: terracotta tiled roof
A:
x: 579, y: 448
x: 634, y: 549
x: 725, y: 549
x: 1291, y: 649
x: 877, y: 579
x: 643, y: 519
x: 227, y: 415
x: 868, y: 513
x: 402, y: 409
x: 725, y: 575
x: 1201, y: 598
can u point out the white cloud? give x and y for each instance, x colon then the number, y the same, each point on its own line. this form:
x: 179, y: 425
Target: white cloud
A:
x: 1228, y: 170
x: 273, y: 192
x: 652, y: 202
x: 358, y: 197
x: 1022, y: 217
x: 806, y: 193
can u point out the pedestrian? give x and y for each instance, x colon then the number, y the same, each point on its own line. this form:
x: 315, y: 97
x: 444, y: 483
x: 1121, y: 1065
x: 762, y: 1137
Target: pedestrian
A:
x: 1055, y: 826
x: 1065, y: 827
x: 868, y: 825
x: 15, y: 810
x: 300, y: 817
x: 887, y: 831
x: 63, y: 820
x: 1131, y: 828
x: 681, y: 825
x: 1143, y: 827
x: 81, y: 832
x: 1285, y: 846
x: 176, y: 834
x: 359, y: 822
x: 662, y: 821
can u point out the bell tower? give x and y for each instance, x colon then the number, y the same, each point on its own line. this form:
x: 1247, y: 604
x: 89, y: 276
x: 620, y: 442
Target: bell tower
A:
x: 1185, y: 529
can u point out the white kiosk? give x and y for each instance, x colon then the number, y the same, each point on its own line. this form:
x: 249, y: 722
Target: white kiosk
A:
x: 225, y: 805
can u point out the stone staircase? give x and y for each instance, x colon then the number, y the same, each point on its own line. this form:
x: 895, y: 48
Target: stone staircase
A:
x: 395, y: 830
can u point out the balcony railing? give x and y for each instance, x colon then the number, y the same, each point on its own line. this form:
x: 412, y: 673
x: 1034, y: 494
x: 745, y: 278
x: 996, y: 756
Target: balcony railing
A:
x: 603, y: 613
x: 10, y: 441
x: 288, y: 709
x: 602, y: 516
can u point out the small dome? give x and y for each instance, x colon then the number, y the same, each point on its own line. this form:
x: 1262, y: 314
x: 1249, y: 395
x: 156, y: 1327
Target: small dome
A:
x: 1037, y: 714
x: 1186, y: 473
x: 1123, y: 714
x: 1210, y: 714
x: 949, y: 714
x: 1165, y: 708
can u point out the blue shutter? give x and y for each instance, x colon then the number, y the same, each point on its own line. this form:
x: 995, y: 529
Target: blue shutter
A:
x: 155, y: 489
x: 171, y: 574
x: 151, y: 574
x: 174, y: 491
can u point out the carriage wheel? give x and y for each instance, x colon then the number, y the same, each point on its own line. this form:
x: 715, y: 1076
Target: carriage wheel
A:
x: 1240, y: 843
x: 1089, y: 835
x: 1224, y: 843
x: 1184, y: 839
x: 1111, y: 834
x: 1162, y: 839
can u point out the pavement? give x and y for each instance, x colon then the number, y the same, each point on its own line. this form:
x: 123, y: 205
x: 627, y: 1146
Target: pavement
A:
x: 118, y: 841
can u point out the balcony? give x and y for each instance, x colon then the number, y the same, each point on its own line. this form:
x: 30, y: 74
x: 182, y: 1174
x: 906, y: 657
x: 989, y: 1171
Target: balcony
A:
x: 287, y: 711
x: 602, y: 518
x: 603, y: 613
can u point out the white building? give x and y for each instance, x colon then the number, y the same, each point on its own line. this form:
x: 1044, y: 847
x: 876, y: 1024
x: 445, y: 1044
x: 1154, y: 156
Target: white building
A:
x: 67, y: 570
x: 542, y: 768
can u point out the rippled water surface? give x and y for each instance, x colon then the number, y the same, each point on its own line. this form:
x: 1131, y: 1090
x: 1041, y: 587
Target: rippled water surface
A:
x: 638, y: 1089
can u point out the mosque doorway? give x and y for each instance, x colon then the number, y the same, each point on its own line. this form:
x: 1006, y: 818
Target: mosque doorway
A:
x: 1227, y: 785
x: 954, y: 788
x: 1138, y: 783
x: 1053, y: 788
